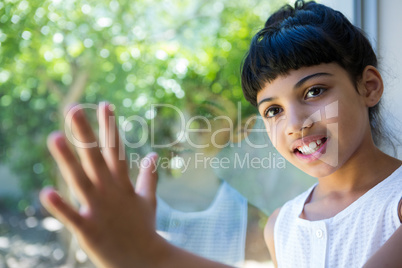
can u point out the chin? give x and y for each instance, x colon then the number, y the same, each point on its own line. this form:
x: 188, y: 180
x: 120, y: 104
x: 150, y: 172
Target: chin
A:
x: 319, y: 170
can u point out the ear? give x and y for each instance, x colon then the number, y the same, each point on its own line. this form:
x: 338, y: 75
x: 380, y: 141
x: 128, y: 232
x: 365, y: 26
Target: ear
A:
x: 371, y: 86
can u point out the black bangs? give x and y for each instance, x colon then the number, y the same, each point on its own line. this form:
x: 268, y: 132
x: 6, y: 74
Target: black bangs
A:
x: 273, y: 53
x: 307, y: 35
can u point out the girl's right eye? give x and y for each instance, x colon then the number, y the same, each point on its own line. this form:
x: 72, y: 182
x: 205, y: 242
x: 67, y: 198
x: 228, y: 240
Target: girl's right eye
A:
x: 272, y: 111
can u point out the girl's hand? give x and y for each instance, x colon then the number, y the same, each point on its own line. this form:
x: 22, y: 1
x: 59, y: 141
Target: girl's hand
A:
x: 115, y: 223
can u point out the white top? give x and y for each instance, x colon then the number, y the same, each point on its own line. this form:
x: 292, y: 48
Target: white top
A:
x: 217, y: 233
x: 348, y: 239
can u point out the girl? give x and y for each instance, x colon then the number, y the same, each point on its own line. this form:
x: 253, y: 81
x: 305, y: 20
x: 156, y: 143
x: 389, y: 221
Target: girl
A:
x: 312, y: 75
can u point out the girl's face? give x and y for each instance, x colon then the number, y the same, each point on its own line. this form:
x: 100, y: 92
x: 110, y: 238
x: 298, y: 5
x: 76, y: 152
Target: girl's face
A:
x: 315, y: 118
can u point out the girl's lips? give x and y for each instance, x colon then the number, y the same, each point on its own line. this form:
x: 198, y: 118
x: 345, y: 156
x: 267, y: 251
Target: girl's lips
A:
x: 312, y: 154
x: 305, y: 141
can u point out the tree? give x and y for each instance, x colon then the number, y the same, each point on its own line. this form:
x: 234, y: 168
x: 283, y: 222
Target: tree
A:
x: 131, y: 53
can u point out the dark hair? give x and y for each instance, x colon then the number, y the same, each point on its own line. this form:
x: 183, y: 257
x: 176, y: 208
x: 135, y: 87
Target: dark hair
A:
x: 305, y: 35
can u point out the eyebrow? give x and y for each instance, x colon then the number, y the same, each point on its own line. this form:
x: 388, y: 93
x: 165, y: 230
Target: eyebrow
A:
x: 303, y: 80
x: 297, y: 85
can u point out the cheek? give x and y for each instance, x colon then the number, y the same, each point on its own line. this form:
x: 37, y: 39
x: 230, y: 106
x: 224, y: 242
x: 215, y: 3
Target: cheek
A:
x: 271, y: 134
x: 353, y: 123
x: 351, y: 118
x: 276, y: 136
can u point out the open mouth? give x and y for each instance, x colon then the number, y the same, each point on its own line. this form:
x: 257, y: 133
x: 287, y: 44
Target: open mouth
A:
x: 311, y: 148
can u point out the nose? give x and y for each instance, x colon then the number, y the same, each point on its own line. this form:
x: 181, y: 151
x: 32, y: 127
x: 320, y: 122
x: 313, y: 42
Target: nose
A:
x: 298, y: 121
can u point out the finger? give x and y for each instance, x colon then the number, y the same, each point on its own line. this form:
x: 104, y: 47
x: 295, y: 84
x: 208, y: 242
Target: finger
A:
x: 148, y: 178
x: 69, y: 166
x: 112, y: 146
x: 86, y: 143
x: 60, y: 209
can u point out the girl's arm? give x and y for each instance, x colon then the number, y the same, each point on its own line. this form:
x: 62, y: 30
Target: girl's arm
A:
x: 115, y: 224
x: 390, y: 254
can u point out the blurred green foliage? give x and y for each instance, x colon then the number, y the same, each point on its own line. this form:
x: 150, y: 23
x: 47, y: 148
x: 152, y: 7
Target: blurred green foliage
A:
x: 131, y: 53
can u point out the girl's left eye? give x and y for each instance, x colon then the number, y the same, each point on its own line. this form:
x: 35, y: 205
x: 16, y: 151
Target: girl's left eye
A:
x: 314, y: 92
x: 272, y: 111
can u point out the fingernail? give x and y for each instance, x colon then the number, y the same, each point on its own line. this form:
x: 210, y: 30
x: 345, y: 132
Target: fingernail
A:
x: 108, y: 107
x: 57, y: 138
x: 148, y: 160
x: 54, y: 135
x: 152, y: 155
x: 76, y: 112
x: 103, y: 103
x: 68, y: 107
x: 49, y: 193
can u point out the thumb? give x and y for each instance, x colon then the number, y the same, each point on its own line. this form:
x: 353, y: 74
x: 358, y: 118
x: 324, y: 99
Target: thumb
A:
x: 148, y: 178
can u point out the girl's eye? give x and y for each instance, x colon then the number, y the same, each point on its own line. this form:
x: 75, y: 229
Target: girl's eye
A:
x: 272, y: 111
x: 314, y: 92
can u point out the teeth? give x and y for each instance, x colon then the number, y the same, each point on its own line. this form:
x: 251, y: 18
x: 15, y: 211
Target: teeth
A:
x: 313, y: 145
x: 311, y: 148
